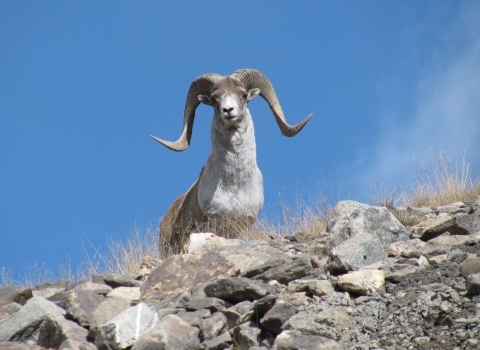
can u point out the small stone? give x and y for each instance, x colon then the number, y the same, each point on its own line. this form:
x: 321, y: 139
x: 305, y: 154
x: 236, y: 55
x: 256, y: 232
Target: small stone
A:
x: 437, y: 259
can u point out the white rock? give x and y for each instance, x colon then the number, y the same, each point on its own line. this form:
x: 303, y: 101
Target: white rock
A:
x: 363, y: 281
x: 206, y: 241
x: 126, y: 328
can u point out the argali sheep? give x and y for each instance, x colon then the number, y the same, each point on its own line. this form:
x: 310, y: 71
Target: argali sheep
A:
x: 228, y: 194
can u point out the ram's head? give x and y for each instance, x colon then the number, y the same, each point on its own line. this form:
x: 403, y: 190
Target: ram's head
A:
x: 229, y: 96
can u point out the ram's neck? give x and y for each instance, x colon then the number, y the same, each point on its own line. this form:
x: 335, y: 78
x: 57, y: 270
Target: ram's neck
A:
x: 231, y: 180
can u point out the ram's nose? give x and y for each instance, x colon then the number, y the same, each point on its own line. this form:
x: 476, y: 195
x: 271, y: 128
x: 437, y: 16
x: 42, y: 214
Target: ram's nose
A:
x: 228, y: 110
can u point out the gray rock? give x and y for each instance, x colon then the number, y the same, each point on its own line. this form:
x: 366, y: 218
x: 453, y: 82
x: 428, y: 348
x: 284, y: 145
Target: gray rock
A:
x: 107, y: 310
x: 81, y: 304
x: 127, y: 327
x: 174, y: 301
x: 129, y: 293
x: 97, y: 288
x: 357, y: 219
x: 277, y: 316
x: 468, y: 223
x: 287, y: 272
x: 419, y: 212
x: 41, y: 322
x: 351, y: 255
x: 454, y: 208
x: 183, y: 272
x: 237, y: 312
x: 296, y: 340
x: 220, y: 342
x: 248, y: 255
x: 237, y: 289
x: 116, y: 281
x: 328, y: 323
x: 470, y: 266
x: 213, y: 326
x: 473, y: 284
x: 263, y: 305
x: 432, y: 228
x: 246, y: 335
x: 212, y: 304
x: 400, y: 272
x: 8, y: 310
x: 171, y: 332
x: 194, y: 318
x: 257, y: 270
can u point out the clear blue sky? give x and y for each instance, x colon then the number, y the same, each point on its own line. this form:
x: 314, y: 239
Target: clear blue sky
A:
x: 84, y: 84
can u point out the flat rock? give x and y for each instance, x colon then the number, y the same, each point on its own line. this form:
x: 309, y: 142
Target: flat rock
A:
x: 182, y: 272
x: 416, y: 248
x: 202, y: 242
x: 296, y: 340
x: 97, y: 288
x: 129, y: 293
x: 126, y: 328
x: 237, y: 289
x: 248, y: 255
x: 174, y: 301
x: 432, y: 228
x: 170, y: 332
x: 220, y: 342
x: 116, y: 281
x: 354, y: 253
x: 362, y: 282
x: 454, y: 208
x: 288, y: 271
x: 212, y: 304
x: 398, y: 275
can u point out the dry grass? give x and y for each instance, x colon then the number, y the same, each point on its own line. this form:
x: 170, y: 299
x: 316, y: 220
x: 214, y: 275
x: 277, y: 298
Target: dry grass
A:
x: 444, y: 183
x: 123, y: 256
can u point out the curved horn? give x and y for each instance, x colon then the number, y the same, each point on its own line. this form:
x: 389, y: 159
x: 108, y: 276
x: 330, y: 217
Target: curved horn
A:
x: 201, y: 85
x: 252, y: 78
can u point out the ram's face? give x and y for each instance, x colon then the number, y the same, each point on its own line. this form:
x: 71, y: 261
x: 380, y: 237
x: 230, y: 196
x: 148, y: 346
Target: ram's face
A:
x: 229, y: 99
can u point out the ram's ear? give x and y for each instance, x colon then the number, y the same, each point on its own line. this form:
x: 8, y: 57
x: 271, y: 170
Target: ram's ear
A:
x: 205, y: 99
x: 252, y: 93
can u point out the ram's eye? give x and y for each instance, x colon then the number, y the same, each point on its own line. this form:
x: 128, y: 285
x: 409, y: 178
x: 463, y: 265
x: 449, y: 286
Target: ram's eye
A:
x: 244, y: 96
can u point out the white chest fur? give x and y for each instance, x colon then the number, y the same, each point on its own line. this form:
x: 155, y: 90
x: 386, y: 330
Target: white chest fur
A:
x: 231, y: 183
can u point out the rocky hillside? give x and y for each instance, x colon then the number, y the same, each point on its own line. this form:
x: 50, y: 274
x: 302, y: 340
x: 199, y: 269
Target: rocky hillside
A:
x: 369, y: 282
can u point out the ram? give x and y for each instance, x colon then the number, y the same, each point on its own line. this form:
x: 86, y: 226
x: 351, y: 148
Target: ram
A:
x: 228, y: 194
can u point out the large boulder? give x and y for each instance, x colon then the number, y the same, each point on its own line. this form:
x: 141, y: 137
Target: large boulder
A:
x: 43, y: 323
x: 357, y: 218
